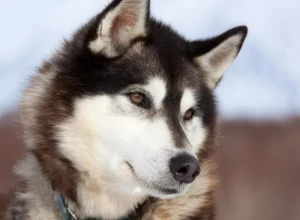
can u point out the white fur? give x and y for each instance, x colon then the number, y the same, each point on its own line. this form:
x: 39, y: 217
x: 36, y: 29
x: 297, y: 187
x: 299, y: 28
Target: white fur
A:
x: 157, y: 88
x: 188, y: 100
x: 195, y: 133
x: 194, y: 129
x: 228, y: 51
x: 101, y: 201
x: 104, y: 41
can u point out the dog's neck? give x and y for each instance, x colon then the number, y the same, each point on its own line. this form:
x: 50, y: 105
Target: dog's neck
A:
x: 98, y: 201
x: 39, y: 197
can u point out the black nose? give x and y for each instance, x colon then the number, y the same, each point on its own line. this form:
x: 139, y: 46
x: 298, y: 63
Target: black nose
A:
x: 185, y: 168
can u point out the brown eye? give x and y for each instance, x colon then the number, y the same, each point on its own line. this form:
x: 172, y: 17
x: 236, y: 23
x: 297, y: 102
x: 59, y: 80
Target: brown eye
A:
x: 137, y: 98
x: 189, y: 114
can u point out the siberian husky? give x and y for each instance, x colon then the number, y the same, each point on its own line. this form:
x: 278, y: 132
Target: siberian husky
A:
x: 120, y: 123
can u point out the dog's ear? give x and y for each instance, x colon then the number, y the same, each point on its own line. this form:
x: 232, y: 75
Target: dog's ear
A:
x: 215, y: 55
x: 118, y: 26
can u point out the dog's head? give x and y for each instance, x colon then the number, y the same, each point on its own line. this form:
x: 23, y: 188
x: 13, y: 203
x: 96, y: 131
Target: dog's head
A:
x: 136, y: 99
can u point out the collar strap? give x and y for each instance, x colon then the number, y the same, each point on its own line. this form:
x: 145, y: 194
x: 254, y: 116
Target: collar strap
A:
x: 66, y: 212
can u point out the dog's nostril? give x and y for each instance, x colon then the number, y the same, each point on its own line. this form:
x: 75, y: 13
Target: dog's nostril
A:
x: 185, y: 168
x: 196, y: 174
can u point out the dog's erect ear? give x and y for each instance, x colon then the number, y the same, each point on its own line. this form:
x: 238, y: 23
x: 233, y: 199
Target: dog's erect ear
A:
x: 121, y: 23
x: 215, y: 55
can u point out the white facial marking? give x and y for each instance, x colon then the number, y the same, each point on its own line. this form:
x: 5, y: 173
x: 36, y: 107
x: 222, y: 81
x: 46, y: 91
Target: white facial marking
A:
x: 157, y: 89
x: 194, y: 129
x: 196, y: 133
x: 188, y: 100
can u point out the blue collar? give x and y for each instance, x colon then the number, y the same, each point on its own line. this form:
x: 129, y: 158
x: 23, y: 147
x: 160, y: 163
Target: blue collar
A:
x: 67, y: 214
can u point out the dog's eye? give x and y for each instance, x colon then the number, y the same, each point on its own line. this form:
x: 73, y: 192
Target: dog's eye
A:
x: 189, y: 114
x: 137, y: 98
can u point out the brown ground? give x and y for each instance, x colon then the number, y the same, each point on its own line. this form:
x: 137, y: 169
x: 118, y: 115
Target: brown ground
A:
x: 259, y: 161
x: 260, y: 170
x: 10, y: 151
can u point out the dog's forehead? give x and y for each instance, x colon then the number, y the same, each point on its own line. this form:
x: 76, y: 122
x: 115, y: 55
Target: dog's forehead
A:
x: 173, y: 68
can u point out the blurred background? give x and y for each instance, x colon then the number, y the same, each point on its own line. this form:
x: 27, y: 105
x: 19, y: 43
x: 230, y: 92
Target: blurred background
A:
x: 259, y: 97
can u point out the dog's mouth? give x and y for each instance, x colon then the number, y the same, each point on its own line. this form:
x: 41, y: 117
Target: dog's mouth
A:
x: 159, y: 191
x: 168, y: 191
x: 130, y: 166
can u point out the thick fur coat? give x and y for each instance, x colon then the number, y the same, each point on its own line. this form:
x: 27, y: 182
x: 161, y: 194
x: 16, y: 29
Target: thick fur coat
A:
x: 104, y: 119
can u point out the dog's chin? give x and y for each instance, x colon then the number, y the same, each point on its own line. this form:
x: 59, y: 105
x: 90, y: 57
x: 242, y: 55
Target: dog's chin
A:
x: 167, y: 193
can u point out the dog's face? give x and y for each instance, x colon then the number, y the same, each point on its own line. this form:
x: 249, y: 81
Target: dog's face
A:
x: 142, y: 100
x: 128, y: 133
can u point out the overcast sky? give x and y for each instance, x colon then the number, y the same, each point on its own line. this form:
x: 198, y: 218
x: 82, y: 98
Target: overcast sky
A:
x: 263, y: 82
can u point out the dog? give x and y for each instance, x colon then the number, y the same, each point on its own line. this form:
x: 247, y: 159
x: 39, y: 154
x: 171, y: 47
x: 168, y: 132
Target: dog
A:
x: 121, y: 122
